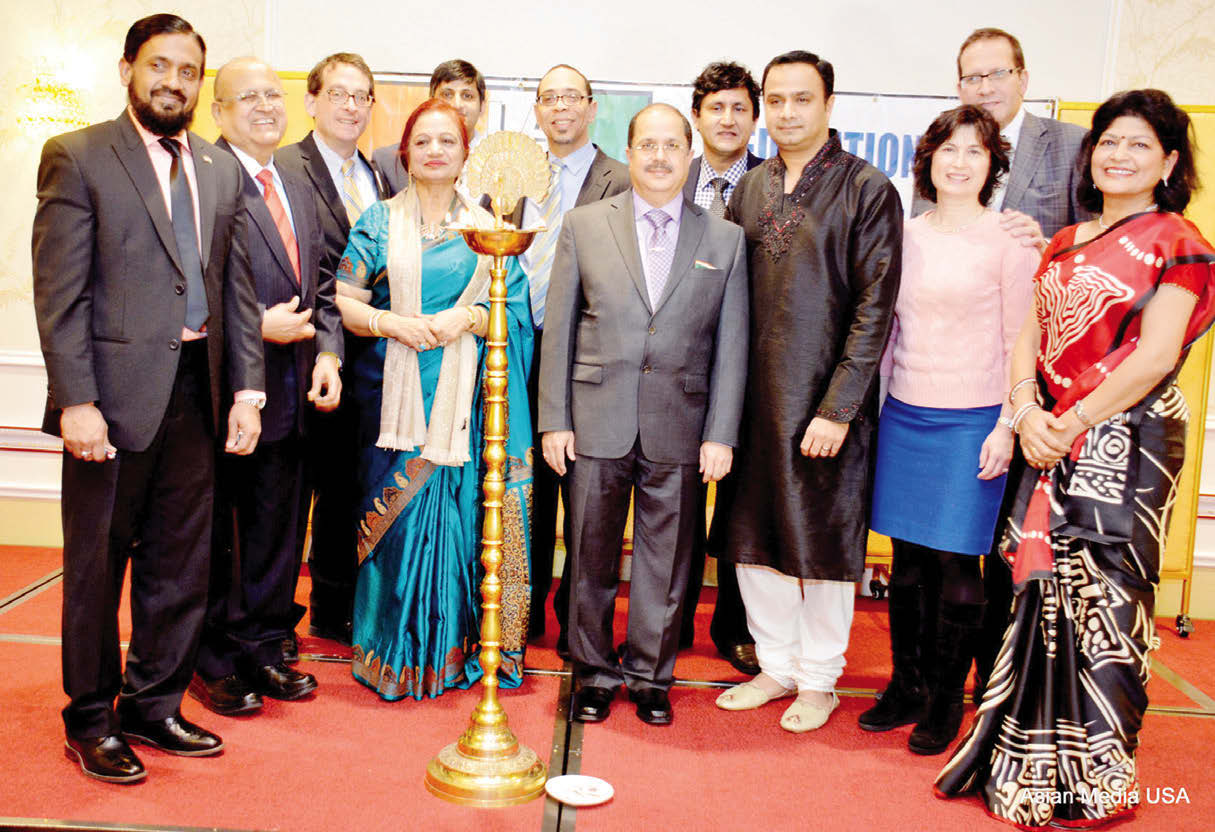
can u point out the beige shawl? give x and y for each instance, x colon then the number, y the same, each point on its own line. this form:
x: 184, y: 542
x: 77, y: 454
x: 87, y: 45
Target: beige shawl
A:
x: 403, y: 423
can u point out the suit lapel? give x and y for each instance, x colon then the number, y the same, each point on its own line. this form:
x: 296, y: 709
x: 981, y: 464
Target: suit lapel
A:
x: 624, y: 230
x: 691, y: 229
x: 134, y: 157
x: 323, y: 182
x: 256, y: 205
x: 297, y: 195
x: 377, y: 178
x: 689, y: 185
x: 208, y: 193
x: 592, y: 188
x: 1030, y: 149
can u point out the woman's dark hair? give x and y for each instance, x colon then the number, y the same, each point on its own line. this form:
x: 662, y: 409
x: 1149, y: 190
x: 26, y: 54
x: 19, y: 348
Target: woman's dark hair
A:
x: 1172, y: 127
x: 146, y: 28
x: 439, y: 105
x: 942, y: 129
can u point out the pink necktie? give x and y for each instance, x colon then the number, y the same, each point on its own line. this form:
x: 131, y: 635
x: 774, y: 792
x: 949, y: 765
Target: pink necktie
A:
x: 279, y: 215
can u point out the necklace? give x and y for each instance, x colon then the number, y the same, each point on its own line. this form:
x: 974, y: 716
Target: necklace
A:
x: 936, y: 223
x: 1106, y: 226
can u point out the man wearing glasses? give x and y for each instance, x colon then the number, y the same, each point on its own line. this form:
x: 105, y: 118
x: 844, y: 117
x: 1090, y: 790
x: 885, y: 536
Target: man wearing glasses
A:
x: 262, y: 501
x: 340, y: 93
x: 581, y: 173
x: 641, y: 393
x: 1039, y: 195
x: 461, y: 85
x: 1038, y: 198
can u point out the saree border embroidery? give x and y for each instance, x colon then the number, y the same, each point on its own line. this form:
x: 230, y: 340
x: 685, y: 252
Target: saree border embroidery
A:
x: 391, y: 502
x: 410, y: 681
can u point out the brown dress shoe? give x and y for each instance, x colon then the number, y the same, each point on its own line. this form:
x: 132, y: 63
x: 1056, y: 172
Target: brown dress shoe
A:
x: 227, y: 696
x: 281, y: 682
x: 107, y: 758
x: 174, y: 734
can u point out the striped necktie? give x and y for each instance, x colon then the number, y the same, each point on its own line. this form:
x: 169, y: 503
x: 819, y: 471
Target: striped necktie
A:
x: 351, y: 197
x: 661, y: 253
x: 545, y: 245
x: 279, y: 215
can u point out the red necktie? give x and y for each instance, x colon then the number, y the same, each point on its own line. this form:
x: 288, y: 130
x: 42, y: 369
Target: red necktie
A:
x: 279, y: 215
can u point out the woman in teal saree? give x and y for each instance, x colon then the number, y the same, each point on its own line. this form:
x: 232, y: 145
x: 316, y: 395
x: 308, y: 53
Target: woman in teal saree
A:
x: 421, y: 293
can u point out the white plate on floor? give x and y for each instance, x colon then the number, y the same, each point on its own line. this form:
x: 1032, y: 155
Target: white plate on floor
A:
x: 579, y: 790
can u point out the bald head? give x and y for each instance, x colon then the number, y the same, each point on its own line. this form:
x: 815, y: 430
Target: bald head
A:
x: 687, y: 127
x: 249, y: 107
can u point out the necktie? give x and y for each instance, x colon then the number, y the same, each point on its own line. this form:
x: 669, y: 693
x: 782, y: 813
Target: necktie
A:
x: 279, y: 215
x: 545, y: 245
x: 181, y: 201
x: 660, y: 255
x: 351, y: 197
x: 718, y: 206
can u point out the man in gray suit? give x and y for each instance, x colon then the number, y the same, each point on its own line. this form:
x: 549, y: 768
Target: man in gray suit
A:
x: 641, y: 390
x: 581, y: 174
x: 145, y: 313
x: 461, y: 85
x: 1039, y: 196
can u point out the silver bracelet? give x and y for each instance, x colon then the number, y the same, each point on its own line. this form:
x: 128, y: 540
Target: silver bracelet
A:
x: 1019, y: 385
x: 1080, y: 414
x: 1006, y: 422
x: 1025, y: 408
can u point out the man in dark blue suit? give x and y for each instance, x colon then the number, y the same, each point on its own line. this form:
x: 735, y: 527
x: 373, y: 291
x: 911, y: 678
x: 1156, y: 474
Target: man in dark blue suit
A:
x: 725, y: 105
x: 262, y: 499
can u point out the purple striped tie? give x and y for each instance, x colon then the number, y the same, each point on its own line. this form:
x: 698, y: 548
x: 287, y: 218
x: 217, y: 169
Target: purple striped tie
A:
x: 661, y: 253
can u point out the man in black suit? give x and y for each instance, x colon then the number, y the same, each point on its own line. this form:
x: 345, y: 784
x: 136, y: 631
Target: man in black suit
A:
x: 145, y: 312
x: 262, y: 502
x: 461, y: 85
x: 340, y: 93
x: 581, y: 174
x: 725, y: 106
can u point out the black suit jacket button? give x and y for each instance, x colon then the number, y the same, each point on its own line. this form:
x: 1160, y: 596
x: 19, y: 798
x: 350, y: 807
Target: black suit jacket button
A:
x: 180, y: 289
x: 174, y: 343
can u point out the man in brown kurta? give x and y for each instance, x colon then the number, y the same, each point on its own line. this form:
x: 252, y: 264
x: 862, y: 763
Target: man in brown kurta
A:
x: 824, y: 240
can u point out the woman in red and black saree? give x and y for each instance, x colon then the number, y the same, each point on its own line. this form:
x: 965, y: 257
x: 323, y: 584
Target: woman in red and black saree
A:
x: 1118, y: 302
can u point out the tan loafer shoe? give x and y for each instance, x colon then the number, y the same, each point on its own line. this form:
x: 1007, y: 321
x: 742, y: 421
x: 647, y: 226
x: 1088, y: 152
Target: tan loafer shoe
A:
x: 747, y: 696
x: 803, y: 716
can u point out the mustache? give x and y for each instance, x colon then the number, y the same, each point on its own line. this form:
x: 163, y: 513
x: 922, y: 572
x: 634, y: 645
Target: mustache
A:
x: 656, y: 167
x: 166, y: 91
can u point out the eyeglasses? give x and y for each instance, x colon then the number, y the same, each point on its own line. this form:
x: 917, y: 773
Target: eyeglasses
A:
x: 338, y: 97
x: 649, y: 148
x: 570, y: 99
x: 996, y: 76
x: 250, y: 98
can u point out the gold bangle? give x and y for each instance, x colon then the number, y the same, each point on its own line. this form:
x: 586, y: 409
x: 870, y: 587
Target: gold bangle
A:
x: 472, y: 318
x: 373, y: 323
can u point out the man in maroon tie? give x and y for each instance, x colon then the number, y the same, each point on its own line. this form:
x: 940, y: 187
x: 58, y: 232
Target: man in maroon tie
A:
x: 262, y: 501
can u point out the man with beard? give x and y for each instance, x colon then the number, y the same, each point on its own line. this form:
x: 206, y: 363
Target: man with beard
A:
x: 262, y: 502
x: 824, y: 240
x: 145, y: 312
x: 641, y: 388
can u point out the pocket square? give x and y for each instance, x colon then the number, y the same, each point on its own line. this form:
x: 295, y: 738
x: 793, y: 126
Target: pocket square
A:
x: 703, y: 264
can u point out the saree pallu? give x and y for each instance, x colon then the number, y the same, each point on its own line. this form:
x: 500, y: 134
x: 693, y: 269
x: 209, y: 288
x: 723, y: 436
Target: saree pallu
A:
x: 1054, y: 739
x: 417, y: 601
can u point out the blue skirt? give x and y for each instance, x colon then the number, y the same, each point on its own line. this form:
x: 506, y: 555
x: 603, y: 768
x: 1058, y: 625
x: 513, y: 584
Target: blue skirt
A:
x: 926, y: 490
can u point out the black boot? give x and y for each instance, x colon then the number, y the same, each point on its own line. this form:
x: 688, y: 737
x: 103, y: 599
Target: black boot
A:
x: 906, y: 697
x: 956, y: 633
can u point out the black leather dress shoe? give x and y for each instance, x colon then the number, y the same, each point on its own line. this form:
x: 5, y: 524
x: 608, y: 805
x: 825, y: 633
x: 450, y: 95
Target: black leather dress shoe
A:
x: 592, y: 704
x: 174, y: 734
x: 281, y: 682
x: 653, y: 706
x: 291, y: 649
x: 107, y: 758
x: 228, y: 696
x: 741, y: 657
x: 340, y: 631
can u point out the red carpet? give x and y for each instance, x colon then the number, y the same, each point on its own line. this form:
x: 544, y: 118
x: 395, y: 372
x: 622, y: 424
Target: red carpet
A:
x: 21, y: 566
x: 347, y: 760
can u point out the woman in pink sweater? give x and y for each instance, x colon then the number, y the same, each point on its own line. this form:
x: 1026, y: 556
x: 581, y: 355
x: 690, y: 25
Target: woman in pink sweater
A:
x: 945, y: 437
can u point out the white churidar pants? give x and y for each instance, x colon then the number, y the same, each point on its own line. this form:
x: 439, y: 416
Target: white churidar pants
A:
x: 800, y: 626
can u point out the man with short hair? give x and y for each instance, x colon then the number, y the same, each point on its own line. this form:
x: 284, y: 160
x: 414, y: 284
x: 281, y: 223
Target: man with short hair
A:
x: 725, y: 106
x: 824, y: 235
x: 262, y: 501
x: 146, y: 314
x: 339, y: 98
x: 461, y: 85
x: 1039, y: 197
x: 641, y: 391
x: 580, y: 173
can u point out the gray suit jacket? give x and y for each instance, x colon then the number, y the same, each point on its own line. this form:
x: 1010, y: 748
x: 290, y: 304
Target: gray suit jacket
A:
x: 1044, y: 175
x: 689, y: 187
x: 109, y: 289
x: 616, y: 366
x: 387, y: 160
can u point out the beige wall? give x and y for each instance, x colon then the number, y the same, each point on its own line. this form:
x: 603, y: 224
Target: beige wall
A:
x: 1079, y: 51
